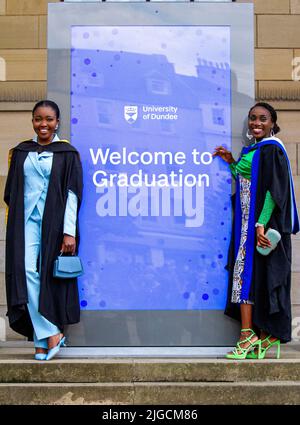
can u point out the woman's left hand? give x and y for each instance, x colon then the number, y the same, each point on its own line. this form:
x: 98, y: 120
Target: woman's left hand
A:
x: 68, y: 245
x: 225, y: 154
x: 262, y: 241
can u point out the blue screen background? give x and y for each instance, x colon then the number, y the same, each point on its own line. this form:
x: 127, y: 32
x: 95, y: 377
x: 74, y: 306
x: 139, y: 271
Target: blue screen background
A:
x: 152, y: 261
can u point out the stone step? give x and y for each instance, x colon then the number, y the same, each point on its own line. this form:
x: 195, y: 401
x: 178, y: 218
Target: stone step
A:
x: 149, y: 393
x: 96, y: 371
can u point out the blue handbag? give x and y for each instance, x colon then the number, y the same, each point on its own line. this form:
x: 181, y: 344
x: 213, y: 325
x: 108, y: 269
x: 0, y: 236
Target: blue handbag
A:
x: 67, y: 267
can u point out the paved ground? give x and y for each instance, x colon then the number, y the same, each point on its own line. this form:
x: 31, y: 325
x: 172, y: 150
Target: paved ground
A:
x: 18, y: 350
x: 175, y: 379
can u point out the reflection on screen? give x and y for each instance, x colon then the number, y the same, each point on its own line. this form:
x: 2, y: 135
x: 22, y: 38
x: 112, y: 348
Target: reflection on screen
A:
x: 149, y: 105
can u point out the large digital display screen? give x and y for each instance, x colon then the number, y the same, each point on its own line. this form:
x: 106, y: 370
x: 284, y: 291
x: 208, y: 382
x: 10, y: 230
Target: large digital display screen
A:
x: 148, y: 106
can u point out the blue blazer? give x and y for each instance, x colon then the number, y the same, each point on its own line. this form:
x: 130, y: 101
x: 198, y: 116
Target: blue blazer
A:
x: 37, y: 171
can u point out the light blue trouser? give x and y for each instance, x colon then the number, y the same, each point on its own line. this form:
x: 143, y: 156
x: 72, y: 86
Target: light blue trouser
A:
x: 42, y: 327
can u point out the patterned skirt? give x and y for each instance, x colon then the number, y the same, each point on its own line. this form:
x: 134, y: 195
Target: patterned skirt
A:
x: 239, y: 265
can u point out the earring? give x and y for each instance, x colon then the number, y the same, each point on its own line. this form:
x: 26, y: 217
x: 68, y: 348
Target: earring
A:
x: 272, y: 133
x: 248, y: 135
x: 56, y: 127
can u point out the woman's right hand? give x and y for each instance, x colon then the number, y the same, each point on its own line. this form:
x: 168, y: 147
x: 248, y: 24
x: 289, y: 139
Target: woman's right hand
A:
x: 225, y: 154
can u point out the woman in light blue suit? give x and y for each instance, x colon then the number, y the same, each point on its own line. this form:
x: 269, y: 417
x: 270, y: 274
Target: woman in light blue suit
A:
x: 49, y: 172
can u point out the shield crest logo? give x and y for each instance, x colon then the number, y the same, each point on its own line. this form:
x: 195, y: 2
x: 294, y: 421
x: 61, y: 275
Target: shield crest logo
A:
x: 130, y: 114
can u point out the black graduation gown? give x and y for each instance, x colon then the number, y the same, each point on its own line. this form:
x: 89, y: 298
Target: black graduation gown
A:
x: 271, y: 277
x: 59, y: 299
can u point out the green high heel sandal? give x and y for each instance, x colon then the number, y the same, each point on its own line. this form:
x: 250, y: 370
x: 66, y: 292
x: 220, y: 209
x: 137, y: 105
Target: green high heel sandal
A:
x: 254, y: 355
x: 270, y: 344
x: 240, y: 352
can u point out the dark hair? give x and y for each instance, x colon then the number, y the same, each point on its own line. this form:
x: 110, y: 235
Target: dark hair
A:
x: 272, y: 111
x: 47, y: 103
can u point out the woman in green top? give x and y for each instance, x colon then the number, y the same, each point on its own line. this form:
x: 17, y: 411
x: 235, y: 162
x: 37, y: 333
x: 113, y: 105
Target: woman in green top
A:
x: 259, y: 290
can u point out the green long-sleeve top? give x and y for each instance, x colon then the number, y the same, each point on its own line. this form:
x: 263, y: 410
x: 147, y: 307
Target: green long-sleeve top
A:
x: 243, y: 167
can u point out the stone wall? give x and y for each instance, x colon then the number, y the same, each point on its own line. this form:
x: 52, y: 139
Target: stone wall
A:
x: 23, y: 50
x: 23, y: 29
x: 277, y: 47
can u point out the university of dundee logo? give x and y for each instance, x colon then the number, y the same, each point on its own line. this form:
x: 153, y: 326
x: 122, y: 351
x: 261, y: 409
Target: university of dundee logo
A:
x: 130, y: 113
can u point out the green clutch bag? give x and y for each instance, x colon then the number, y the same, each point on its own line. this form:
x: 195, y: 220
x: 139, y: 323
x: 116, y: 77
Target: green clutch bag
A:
x: 274, y: 237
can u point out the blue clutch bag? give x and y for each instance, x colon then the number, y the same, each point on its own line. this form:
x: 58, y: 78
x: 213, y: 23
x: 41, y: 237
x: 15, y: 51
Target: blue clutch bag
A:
x: 274, y: 237
x: 67, y: 267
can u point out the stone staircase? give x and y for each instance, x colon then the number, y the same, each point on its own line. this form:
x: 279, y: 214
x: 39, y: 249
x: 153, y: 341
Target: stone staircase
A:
x: 149, y: 381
